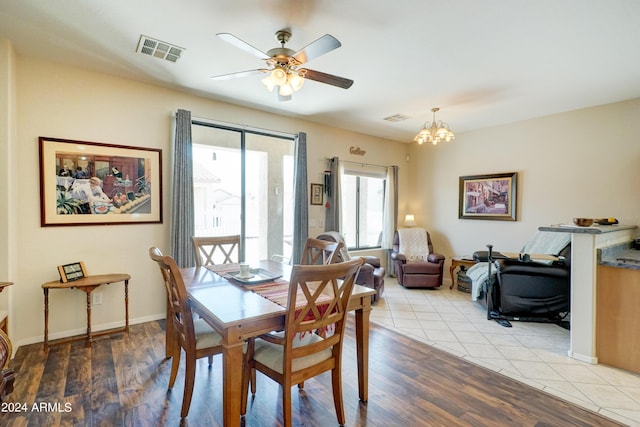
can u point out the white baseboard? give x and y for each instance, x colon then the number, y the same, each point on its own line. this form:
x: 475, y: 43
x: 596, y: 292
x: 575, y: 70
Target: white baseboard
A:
x: 82, y: 331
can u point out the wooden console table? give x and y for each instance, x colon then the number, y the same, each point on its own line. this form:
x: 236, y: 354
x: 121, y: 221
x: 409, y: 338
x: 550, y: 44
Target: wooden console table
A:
x: 457, y: 261
x: 87, y: 285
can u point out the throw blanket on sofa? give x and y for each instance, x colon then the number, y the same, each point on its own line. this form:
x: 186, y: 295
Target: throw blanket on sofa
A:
x: 543, y: 242
x: 546, y: 242
x: 479, y: 273
x: 337, y: 237
x: 413, y: 244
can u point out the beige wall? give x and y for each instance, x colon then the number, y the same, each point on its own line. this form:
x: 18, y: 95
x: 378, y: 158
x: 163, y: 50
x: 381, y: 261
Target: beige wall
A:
x: 584, y: 163
x: 569, y: 165
x: 63, y: 102
x: 8, y: 180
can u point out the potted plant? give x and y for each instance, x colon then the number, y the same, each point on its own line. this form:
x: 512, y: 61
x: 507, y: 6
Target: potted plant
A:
x: 142, y: 185
x: 66, y: 204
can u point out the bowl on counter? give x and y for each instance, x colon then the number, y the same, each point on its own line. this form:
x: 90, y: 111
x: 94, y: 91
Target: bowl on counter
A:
x: 583, y: 222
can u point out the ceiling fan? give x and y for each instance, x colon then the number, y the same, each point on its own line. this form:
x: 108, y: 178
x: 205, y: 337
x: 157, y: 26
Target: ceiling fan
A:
x: 284, y: 64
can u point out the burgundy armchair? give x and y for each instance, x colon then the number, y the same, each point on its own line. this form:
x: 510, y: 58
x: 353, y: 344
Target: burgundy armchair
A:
x: 371, y: 273
x: 418, y: 272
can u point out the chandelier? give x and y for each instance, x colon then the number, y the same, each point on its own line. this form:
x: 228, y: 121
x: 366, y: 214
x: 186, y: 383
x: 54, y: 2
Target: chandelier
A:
x: 286, y: 77
x: 434, y: 132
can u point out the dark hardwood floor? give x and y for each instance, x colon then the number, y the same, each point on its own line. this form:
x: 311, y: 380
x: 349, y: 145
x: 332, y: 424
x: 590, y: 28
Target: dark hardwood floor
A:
x: 122, y: 381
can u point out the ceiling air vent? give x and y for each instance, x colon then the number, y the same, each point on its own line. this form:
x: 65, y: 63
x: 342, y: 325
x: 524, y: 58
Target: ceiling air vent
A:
x: 159, y: 49
x: 396, y: 118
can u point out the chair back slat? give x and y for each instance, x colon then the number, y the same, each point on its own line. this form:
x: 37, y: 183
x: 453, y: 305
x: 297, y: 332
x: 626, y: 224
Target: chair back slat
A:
x: 216, y: 249
x: 318, y: 298
x: 178, y: 303
x: 318, y: 252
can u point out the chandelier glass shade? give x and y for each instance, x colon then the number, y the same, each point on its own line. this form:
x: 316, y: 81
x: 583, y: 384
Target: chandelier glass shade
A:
x: 434, y: 132
x: 287, y: 78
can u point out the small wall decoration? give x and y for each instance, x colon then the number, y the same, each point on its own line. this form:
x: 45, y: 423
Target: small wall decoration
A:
x: 316, y: 194
x: 488, y: 197
x: 71, y: 272
x: 357, y: 151
x: 91, y: 183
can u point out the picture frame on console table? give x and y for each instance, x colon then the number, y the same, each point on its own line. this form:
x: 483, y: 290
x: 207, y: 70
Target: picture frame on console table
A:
x: 93, y: 183
x: 71, y: 272
x: 491, y: 197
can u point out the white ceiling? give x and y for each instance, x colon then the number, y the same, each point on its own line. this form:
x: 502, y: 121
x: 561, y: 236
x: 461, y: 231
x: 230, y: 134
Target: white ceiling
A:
x: 483, y: 62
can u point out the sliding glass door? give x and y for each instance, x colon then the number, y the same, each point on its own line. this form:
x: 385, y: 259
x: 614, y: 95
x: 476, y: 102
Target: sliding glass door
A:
x: 243, y: 184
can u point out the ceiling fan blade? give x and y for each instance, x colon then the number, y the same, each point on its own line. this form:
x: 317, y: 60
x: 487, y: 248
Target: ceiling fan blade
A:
x: 329, y: 79
x: 241, y: 44
x: 324, y: 44
x: 239, y: 74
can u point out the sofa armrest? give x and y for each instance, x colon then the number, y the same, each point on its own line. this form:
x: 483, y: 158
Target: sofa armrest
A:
x: 435, y: 257
x: 365, y: 275
x: 396, y: 256
x: 483, y: 256
x: 373, y: 260
x: 532, y: 268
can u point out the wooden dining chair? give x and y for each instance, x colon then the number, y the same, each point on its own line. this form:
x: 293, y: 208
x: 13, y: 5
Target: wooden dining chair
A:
x: 216, y: 249
x: 318, y: 252
x: 7, y: 376
x: 318, y: 298
x: 195, y: 336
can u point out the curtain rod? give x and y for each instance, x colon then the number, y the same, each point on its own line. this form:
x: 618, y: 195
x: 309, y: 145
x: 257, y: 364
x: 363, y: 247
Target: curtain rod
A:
x: 244, y: 127
x: 363, y: 163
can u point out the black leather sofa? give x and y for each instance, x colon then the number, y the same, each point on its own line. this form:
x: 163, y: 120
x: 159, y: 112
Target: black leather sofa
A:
x: 528, y: 290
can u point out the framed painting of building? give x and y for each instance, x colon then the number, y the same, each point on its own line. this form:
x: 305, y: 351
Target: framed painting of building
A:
x: 488, y: 197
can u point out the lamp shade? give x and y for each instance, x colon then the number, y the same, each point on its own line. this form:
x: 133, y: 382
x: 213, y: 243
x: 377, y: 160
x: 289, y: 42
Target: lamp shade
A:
x: 296, y: 81
x: 409, y: 220
x: 268, y: 83
x: 285, y: 90
x: 279, y: 76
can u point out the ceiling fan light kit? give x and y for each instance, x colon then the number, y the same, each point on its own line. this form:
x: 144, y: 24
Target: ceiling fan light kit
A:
x: 288, y: 79
x: 434, y: 132
x: 283, y: 64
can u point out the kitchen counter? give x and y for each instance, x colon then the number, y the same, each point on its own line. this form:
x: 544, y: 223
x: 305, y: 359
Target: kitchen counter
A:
x: 617, y: 302
x: 594, y: 229
x: 620, y: 256
x: 586, y: 244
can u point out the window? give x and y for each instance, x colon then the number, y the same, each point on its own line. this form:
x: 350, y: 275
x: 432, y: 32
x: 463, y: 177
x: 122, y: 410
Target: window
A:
x: 362, y: 206
x: 243, y: 184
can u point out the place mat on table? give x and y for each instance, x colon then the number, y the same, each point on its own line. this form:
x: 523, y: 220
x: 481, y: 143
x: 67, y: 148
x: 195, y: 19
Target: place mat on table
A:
x: 276, y: 291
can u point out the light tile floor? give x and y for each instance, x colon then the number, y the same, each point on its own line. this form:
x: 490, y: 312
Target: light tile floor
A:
x: 533, y: 353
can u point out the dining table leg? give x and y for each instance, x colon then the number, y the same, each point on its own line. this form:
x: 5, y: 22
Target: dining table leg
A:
x: 362, y: 347
x: 231, y: 378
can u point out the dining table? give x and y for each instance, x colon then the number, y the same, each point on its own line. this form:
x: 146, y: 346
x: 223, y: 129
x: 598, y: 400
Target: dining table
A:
x: 238, y: 313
